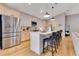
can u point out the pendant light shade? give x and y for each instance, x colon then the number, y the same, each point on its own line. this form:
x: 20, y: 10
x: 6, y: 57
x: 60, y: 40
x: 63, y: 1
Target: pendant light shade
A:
x: 52, y: 18
x: 46, y: 14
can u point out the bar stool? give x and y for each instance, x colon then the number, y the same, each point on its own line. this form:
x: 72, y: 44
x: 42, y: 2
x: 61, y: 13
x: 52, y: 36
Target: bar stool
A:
x: 44, y: 41
x: 51, y: 42
x: 59, y: 37
x: 61, y: 34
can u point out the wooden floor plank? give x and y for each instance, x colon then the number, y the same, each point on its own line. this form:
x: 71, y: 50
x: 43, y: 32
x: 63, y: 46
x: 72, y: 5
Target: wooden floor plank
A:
x: 65, y: 49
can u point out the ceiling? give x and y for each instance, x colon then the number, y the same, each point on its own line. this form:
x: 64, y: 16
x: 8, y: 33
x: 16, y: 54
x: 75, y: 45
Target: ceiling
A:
x: 35, y: 8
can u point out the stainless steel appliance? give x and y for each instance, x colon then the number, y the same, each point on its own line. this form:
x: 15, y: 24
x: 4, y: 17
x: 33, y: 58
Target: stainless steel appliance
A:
x: 10, y: 33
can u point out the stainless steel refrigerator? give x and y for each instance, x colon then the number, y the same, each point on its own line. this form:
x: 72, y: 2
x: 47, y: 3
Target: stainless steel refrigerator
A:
x: 10, y: 33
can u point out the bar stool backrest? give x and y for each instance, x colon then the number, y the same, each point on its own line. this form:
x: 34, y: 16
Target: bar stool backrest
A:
x: 54, y: 35
x: 61, y: 32
x: 58, y: 34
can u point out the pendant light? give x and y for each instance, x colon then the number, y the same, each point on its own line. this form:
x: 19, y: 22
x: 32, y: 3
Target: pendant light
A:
x: 46, y: 14
x: 53, y: 19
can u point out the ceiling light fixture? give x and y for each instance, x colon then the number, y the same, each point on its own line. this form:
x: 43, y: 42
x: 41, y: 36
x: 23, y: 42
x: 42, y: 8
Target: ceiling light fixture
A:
x: 46, y: 14
x: 52, y: 7
x: 53, y: 19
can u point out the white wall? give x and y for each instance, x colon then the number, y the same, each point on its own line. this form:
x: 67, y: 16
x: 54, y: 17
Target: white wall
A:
x: 73, y: 22
x: 60, y: 23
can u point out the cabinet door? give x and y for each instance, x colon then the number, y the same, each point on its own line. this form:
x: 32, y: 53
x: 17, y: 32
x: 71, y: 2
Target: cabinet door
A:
x: 6, y: 43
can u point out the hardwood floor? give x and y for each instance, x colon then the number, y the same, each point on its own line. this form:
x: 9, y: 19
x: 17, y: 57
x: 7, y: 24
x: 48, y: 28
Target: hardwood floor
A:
x: 65, y: 49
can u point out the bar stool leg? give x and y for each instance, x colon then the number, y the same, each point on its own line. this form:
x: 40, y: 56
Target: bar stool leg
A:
x: 47, y: 45
x: 43, y: 46
x: 55, y: 48
x: 52, y: 50
x: 57, y: 43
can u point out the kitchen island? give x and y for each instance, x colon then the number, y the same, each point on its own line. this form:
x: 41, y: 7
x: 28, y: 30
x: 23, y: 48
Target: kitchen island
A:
x: 36, y: 41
